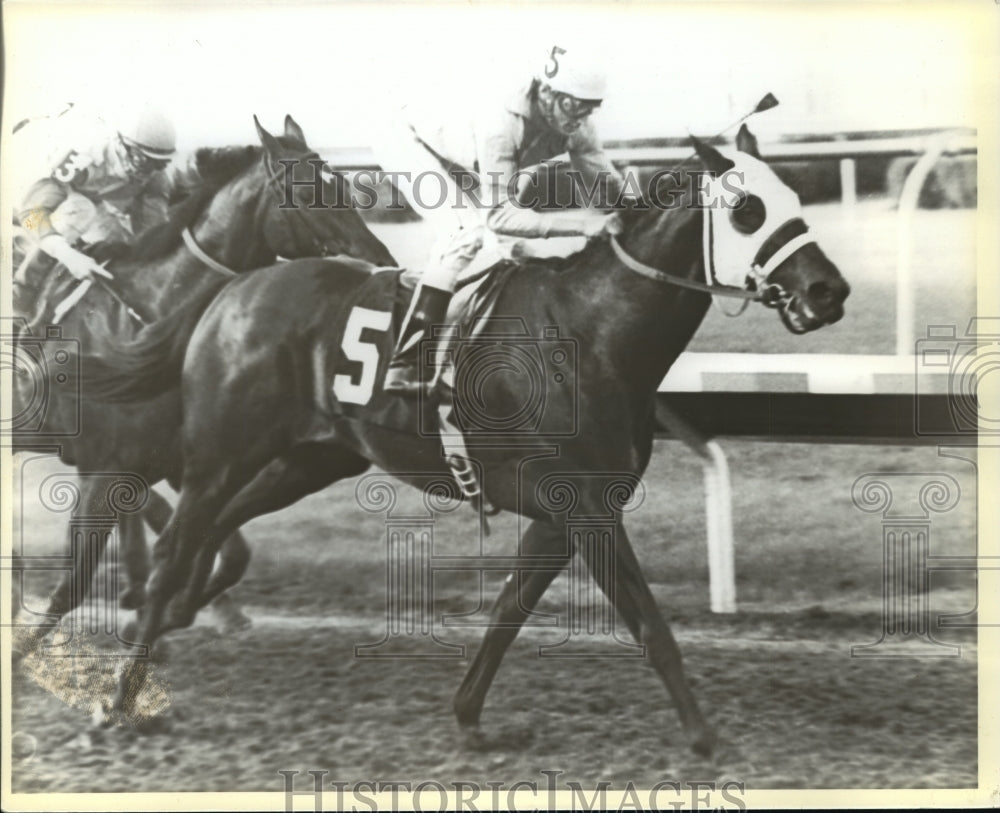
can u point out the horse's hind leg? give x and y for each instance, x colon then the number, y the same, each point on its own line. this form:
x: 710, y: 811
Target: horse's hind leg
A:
x: 234, y: 557
x: 627, y: 588
x: 192, y: 528
x: 303, y: 470
x: 521, y: 592
x: 206, y: 586
x: 230, y: 566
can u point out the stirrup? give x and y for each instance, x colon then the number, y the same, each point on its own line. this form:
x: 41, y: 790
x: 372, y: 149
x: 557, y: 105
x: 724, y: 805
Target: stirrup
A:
x: 403, y: 378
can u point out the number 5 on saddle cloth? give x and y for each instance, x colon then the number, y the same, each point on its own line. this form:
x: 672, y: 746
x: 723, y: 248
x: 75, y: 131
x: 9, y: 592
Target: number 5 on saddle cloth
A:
x: 490, y: 381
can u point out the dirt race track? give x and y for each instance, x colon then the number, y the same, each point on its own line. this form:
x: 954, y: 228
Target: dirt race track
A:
x: 794, y: 709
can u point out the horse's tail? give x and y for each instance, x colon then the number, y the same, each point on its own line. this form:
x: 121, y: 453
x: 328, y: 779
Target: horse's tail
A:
x: 150, y: 364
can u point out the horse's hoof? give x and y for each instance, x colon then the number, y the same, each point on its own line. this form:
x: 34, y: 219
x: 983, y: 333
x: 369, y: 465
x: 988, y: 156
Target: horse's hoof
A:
x: 234, y: 621
x: 231, y: 618
x: 704, y: 742
x: 506, y: 738
x: 472, y: 738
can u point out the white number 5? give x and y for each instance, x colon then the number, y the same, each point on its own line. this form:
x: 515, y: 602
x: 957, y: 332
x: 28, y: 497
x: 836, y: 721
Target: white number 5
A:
x: 365, y: 352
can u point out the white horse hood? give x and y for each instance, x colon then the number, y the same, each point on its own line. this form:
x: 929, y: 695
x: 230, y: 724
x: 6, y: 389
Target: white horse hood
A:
x: 730, y: 244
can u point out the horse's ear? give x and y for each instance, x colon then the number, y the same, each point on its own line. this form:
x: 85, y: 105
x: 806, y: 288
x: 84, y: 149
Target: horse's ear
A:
x: 292, y: 130
x: 747, y: 142
x: 269, y: 141
x: 714, y: 160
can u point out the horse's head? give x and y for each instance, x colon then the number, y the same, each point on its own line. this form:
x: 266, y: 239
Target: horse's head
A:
x: 755, y: 236
x: 308, y: 206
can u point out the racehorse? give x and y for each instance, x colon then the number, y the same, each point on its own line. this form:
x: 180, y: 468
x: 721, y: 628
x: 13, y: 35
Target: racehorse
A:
x: 296, y: 352
x: 243, y: 215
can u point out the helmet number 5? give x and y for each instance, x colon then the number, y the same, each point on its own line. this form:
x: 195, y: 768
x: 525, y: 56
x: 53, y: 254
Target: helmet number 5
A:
x: 69, y: 167
x: 552, y: 66
x: 344, y: 386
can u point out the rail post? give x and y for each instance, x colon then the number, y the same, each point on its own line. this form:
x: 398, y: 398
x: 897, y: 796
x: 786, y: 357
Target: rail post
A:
x: 908, y: 201
x: 718, y: 509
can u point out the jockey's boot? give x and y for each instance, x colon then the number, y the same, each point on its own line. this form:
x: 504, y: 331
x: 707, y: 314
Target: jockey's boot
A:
x: 429, y: 307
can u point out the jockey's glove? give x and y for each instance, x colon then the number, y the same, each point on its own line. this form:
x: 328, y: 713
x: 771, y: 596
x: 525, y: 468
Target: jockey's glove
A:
x: 79, y: 264
x: 597, y: 225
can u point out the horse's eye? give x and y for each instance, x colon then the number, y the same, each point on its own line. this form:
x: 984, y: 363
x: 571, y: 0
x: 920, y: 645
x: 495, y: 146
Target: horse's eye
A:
x: 748, y: 215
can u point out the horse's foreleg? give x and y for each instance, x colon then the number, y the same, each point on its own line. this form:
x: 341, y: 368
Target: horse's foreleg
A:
x: 627, y: 588
x: 521, y: 592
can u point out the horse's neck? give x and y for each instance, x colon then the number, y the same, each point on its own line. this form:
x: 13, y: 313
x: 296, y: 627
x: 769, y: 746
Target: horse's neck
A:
x: 640, y: 325
x: 231, y: 239
x: 230, y: 230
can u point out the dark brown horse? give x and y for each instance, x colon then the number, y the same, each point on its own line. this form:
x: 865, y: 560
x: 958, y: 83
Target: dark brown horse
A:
x: 235, y: 219
x: 281, y: 397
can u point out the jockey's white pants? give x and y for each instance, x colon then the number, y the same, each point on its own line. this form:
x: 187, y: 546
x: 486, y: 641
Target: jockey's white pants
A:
x: 454, y: 215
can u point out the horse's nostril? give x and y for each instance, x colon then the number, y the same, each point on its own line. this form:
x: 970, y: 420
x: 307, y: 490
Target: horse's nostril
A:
x: 820, y: 293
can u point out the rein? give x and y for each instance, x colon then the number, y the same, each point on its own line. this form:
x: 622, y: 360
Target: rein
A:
x: 715, y: 289
x: 276, y: 182
x: 215, y: 265
x: 778, y: 247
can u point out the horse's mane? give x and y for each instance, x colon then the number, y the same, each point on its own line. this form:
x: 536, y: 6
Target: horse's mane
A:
x: 216, y: 166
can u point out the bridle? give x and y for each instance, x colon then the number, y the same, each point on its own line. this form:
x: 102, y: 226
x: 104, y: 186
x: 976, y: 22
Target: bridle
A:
x: 277, y: 183
x: 777, y: 247
x: 274, y: 181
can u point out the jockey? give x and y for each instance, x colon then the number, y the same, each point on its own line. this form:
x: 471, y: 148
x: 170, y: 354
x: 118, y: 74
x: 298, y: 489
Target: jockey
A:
x: 108, y: 190
x: 546, y: 118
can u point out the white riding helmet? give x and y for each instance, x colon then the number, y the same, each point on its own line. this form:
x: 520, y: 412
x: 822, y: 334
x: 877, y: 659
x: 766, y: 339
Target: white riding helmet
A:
x: 570, y: 71
x: 152, y: 133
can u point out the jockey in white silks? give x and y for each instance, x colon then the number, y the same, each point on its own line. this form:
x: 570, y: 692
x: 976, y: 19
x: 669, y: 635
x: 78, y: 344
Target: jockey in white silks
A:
x: 478, y: 164
x: 104, y: 184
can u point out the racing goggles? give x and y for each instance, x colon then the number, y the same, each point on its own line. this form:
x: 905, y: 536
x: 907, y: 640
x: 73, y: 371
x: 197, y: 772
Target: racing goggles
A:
x: 141, y: 162
x: 575, y: 108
